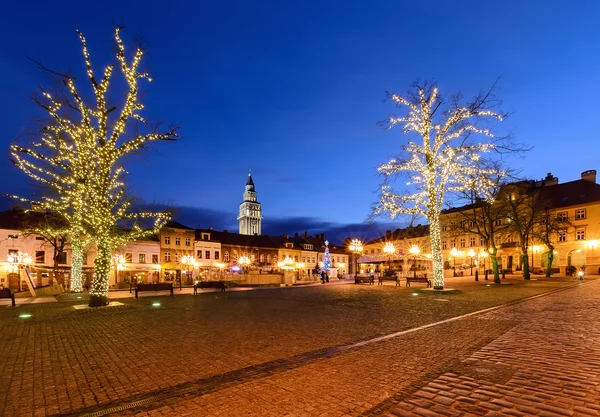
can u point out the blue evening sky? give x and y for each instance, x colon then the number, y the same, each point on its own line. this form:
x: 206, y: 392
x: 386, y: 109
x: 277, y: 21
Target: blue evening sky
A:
x: 293, y: 90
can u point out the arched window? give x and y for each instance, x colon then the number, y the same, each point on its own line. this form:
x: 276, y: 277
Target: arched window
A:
x: 235, y: 256
x: 262, y: 258
x: 226, y: 256
x: 269, y: 259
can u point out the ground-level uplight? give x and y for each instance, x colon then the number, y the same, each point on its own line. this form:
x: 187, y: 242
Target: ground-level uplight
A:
x: 415, y: 293
x: 25, y: 315
x: 156, y: 304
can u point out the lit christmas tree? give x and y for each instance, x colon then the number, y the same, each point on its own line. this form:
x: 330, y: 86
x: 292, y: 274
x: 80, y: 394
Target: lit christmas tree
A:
x: 79, y: 158
x: 445, y: 159
x: 326, y: 258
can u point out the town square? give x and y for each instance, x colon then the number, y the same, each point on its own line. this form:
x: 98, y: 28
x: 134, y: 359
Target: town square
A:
x: 300, y: 209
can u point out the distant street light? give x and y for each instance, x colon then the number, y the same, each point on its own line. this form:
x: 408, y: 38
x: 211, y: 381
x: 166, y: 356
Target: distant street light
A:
x: 414, y: 250
x: 189, y: 261
x: 471, y: 254
x: 356, y: 247
x: 389, y: 248
x: 244, y: 262
x: 454, y: 253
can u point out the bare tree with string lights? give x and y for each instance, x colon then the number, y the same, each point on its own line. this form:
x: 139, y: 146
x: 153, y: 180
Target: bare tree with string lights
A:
x: 441, y: 157
x: 80, y: 157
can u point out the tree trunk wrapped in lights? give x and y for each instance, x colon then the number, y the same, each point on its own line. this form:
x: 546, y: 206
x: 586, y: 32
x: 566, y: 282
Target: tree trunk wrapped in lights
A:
x: 443, y: 159
x: 80, y: 155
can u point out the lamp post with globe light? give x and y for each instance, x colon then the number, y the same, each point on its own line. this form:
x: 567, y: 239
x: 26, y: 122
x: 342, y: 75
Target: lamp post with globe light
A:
x: 190, y: 262
x: 471, y: 255
x: 244, y: 262
x: 483, y: 254
x: 20, y: 260
x: 454, y: 253
x: 414, y: 250
x: 356, y: 247
x: 390, y: 249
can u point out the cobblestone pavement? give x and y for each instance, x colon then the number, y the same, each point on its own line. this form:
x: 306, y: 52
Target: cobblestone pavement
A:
x: 293, y: 352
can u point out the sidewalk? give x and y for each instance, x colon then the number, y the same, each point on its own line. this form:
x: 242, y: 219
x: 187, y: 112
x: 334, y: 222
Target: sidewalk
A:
x: 547, y: 365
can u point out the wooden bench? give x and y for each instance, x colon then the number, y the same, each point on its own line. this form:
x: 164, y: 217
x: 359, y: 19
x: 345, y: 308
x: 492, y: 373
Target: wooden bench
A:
x: 370, y: 279
x: 388, y: 278
x: 418, y: 279
x: 209, y: 284
x: 161, y: 286
x: 5, y: 293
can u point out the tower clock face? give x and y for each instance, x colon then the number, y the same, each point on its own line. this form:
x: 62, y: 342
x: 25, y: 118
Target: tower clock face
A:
x: 253, y: 221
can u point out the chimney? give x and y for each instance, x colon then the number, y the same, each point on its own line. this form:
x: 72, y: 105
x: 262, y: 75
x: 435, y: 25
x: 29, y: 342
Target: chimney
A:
x: 209, y: 227
x: 224, y: 231
x: 323, y: 234
x: 550, y: 179
x: 589, y: 175
x: 296, y: 234
x: 286, y: 236
x: 388, y: 233
x: 305, y: 234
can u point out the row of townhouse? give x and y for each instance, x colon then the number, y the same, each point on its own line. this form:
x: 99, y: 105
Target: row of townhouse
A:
x: 177, y: 253
x: 576, y: 245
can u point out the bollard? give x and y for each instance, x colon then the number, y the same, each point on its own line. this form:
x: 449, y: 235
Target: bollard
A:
x: 486, y: 274
x: 476, y: 275
x: 504, y: 274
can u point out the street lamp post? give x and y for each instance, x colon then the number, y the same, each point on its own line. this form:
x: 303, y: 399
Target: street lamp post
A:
x: 454, y: 253
x: 356, y: 247
x: 20, y: 259
x: 414, y: 250
x: 389, y: 248
x: 471, y: 254
x: 483, y: 254
x: 534, y: 250
x: 189, y: 261
x: 244, y: 262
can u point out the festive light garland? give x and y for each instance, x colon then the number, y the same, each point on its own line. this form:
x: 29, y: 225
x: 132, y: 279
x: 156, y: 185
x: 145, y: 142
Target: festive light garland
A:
x: 81, y: 162
x: 445, y: 161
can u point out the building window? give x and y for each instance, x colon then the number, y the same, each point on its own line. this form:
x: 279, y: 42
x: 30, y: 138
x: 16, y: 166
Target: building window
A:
x: 142, y: 258
x: 580, y: 234
x: 178, y: 241
x: 62, y: 258
x: 562, y: 236
x: 128, y: 258
x: 199, y: 254
x: 187, y: 241
x: 226, y: 259
x: 268, y: 259
x: 207, y: 254
x: 472, y: 242
x: 217, y: 255
x: 463, y: 242
x: 563, y: 216
x: 444, y: 244
x: 481, y: 242
x: 580, y: 214
x: 154, y: 259
x: 167, y: 256
x: 177, y: 257
x: 40, y: 257
x: 453, y: 243
x: 262, y: 258
x: 320, y: 258
x: 252, y: 258
x: 205, y: 236
x: 84, y: 259
x: 167, y: 240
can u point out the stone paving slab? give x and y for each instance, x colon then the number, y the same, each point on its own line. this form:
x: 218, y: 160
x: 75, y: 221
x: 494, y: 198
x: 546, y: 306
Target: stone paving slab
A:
x: 246, y: 353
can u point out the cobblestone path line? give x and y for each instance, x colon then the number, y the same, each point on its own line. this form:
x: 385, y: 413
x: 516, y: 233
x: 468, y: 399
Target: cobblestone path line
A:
x: 74, y: 362
x: 369, y: 380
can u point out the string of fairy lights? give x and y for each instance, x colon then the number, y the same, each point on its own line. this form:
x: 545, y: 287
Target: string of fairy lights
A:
x: 443, y: 162
x: 79, y: 157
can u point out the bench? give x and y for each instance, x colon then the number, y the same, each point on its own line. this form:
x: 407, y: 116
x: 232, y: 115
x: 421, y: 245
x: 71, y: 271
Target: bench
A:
x: 388, y: 278
x: 418, y: 279
x: 209, y: 284
x: 370, y: 279
x: 5, y: 293
x: 161, y: 286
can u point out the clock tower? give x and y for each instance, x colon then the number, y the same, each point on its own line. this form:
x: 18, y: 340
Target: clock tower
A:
x: 250, y: 216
